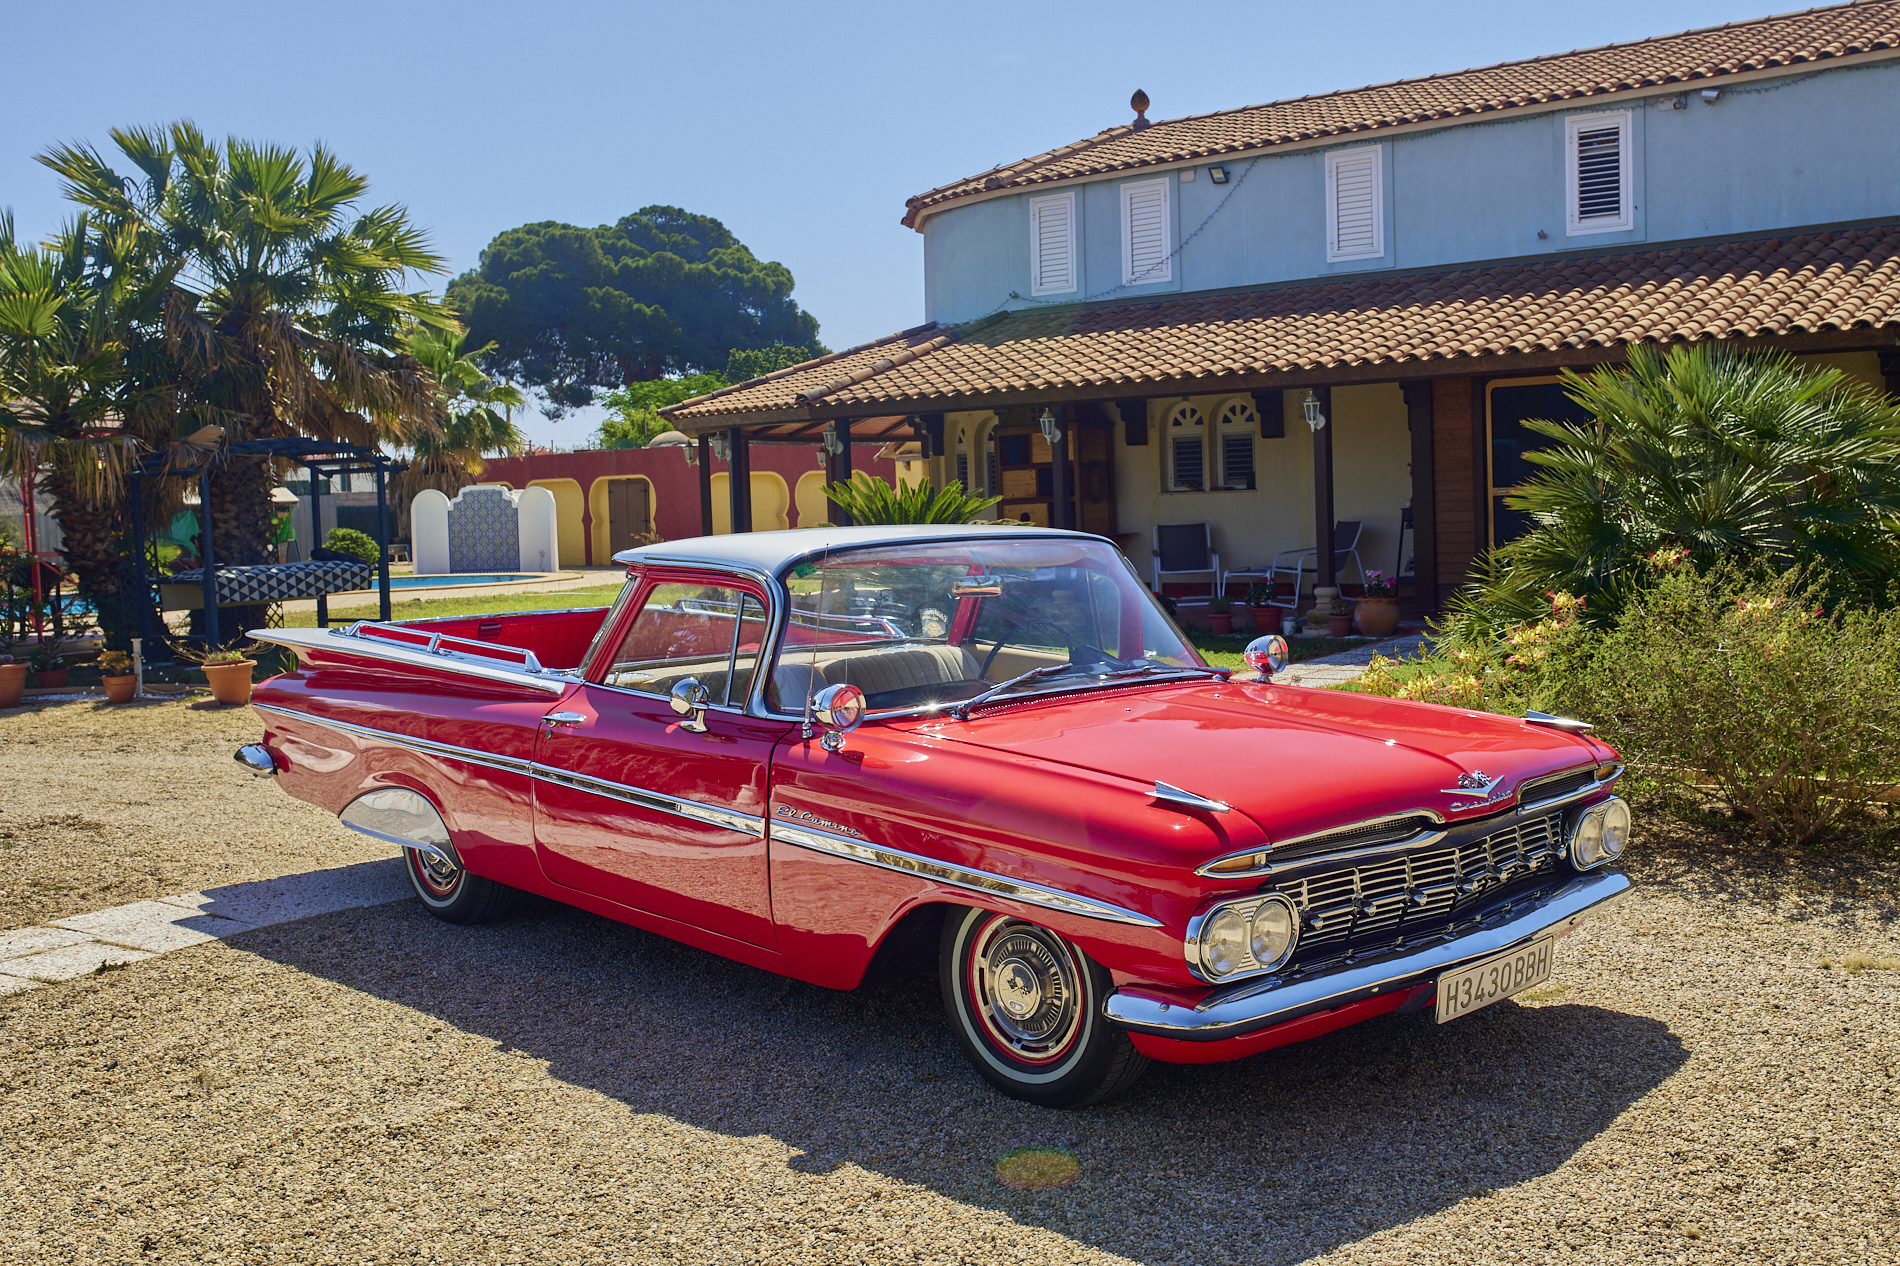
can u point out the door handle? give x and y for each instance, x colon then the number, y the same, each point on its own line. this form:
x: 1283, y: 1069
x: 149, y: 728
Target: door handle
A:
x: 556, y: 720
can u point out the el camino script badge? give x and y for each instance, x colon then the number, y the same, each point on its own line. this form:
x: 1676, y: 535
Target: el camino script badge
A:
x: 812, y: 819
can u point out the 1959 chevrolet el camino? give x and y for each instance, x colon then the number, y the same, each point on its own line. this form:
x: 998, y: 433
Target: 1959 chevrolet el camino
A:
x: 795, y: 748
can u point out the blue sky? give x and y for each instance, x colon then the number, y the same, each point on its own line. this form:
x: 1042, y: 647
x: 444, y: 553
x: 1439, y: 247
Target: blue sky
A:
x: 803, y: 127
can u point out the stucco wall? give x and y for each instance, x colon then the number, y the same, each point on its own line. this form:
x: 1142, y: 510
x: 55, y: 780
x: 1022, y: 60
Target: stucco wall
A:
x: 1813, y: 149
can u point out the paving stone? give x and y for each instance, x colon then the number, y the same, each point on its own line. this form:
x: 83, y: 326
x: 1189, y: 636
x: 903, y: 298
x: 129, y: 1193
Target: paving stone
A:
x: 69, y: 962
x: 22, y: 941
x: 269, y: 901
x: 15, y: 984
x: 153, y: 925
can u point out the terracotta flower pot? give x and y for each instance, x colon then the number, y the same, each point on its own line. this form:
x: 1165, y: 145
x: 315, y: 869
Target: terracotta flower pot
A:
x: 230, y: 682
x: 120, y: 689
x: 1266, y: 619
x: 1377, y: 617
x: 52, y: 678
x: 1339, y: 623
x: 12, y: 684
x: 1221, y: 621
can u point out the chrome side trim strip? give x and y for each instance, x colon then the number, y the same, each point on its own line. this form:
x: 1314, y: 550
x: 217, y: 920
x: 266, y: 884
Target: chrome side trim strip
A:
x: 1261, y: 1004
x: 957, y: 876
x: 710, y: 814
x: 507, y: 764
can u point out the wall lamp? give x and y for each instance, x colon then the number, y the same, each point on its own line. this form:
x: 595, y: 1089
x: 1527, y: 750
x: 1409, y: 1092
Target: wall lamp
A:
x: 720, y: 449
x: 1310, y: 407
x: 1709, y: 95
x: 829, y: 438
x: 1050, y: 431
x: 1217, y: 174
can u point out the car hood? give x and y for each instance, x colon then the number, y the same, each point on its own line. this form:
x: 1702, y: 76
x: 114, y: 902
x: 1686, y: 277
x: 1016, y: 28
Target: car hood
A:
x: 1296, y: 760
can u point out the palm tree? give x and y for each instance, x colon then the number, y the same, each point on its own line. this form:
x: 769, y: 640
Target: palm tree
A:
x: 281, y: 312
x: 73, y: 408
x: 477, y: 418
x: 1707, y: 452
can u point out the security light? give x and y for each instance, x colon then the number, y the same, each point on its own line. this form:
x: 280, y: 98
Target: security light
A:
x: 1217, y: 174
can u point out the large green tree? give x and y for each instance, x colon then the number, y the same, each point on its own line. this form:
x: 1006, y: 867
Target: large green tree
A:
x: 282, y: 309
x: 660, y: 293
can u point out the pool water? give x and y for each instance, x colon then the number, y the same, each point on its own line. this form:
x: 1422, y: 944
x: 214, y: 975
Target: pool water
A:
x: 459, y: 578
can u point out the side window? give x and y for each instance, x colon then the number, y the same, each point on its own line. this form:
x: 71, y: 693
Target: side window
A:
x: 702, y: 631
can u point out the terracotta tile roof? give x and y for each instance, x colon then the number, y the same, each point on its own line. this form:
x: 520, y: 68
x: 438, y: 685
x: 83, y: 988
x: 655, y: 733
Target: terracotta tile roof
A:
x: 1777, y: 286
x: 1791, y: 40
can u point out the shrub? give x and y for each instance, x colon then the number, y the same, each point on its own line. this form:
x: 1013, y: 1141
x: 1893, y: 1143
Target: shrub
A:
x: 869, y: 500
x: 1714, y: 453
x: 114, y: 663
x: 350, y: 541
x: 1749, y: 695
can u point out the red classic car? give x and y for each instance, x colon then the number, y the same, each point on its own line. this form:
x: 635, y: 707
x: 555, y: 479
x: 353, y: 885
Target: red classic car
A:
x: 798, y: 748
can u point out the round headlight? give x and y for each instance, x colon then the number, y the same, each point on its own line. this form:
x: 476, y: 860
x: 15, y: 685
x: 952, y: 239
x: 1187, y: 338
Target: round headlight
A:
x: 1224, y: 943
x: 1586, y: 840
x: 1615, y: 817
x: 1274, y: 931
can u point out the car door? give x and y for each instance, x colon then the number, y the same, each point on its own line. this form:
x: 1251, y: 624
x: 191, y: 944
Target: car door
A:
x: 651, y: 809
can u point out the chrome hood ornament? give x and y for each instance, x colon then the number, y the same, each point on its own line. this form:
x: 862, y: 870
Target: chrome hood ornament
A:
x: 1477, y: 782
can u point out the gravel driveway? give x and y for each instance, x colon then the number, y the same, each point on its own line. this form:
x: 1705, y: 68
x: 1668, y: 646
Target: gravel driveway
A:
x: 1693, y: 1086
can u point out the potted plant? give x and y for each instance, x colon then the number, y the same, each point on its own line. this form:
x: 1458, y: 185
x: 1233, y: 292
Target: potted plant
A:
x: 1260, y: 602
x: 1220, y: 613
x: 1339, y: 620
x: 12, y: 681
x: 115, y: 674
x: 1378, y: 612
x: 229, y: 674
x: 49, y: 666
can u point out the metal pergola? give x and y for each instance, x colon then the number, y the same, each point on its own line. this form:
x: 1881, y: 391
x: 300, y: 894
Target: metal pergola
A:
x: 322, y: 460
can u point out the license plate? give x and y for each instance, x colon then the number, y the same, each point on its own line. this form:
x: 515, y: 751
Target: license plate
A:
x: 1481, y: 984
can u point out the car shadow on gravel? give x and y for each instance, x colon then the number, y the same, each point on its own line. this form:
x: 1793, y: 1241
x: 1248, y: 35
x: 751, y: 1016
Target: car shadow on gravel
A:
x: 1274, y: 1158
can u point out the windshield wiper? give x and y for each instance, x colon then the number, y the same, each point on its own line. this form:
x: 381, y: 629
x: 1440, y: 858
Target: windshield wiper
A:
x: 962, y: 710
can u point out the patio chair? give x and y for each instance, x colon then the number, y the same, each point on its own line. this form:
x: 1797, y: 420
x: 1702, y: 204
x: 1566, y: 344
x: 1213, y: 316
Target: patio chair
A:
x: 1186, y: 549
x: 1295, y: 564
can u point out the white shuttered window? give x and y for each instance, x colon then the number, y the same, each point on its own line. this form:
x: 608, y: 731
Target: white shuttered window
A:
x: 1052, y: 244
x: 1146, y: 258
x: 1597, y: 173
x: 1355, y: 204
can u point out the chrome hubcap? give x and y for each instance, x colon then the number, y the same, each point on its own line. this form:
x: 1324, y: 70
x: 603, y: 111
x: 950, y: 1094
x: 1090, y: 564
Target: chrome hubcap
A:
x: 1028, y: 988
x: 437, y: 872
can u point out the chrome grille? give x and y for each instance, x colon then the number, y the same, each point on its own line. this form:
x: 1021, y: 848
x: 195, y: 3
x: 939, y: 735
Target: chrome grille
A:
x: 1358, y: 905
x: 1387, y: 831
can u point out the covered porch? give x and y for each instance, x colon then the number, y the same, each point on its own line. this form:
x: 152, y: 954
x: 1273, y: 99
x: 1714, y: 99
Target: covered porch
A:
x: 1274, y: 416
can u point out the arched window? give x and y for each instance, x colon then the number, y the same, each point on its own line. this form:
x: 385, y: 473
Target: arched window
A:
x: 1238, y: 425
x: 1186, y: 432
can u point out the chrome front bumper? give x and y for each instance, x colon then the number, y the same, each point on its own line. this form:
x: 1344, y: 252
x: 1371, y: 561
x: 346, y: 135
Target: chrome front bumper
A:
x: 1259, y: 1004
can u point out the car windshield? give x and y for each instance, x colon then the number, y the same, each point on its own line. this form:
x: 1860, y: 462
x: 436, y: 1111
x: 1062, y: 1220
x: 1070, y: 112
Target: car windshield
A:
x: 935, y: 624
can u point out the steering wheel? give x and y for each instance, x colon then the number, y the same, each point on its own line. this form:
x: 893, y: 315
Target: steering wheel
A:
x: 982, y: 674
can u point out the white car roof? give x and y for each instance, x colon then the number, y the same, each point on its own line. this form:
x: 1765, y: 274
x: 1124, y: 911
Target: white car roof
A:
x: 774, y: 552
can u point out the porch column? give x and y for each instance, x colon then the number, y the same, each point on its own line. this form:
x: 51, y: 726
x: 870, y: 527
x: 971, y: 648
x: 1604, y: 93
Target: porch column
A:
x: 1418, y: 416
x: 1062, y: 512
x: 739, y: 479
x: 705, y: 483
x: 838, y: 470
x: 1323, y: 492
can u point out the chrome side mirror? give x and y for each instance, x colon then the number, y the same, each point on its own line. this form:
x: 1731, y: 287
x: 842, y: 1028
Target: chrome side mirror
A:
x: 840, y: 709
x: 690, y: 699
x: 1266, y: 655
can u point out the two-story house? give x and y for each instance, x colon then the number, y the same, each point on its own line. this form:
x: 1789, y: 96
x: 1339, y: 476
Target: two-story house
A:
x: 1274, y: 318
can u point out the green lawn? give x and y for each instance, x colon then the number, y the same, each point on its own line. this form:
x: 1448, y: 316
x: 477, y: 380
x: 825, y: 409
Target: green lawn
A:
x: 1223, y: 650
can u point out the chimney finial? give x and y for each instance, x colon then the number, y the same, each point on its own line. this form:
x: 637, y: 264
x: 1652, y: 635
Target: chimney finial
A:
x: 1139, y: 103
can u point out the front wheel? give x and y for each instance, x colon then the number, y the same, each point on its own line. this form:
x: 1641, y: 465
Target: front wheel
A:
x: 451, y: 893
x: 1026, y: 1006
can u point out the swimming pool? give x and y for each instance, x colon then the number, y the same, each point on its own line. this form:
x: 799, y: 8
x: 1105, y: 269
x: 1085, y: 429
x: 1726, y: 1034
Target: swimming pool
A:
x: 466, y: 578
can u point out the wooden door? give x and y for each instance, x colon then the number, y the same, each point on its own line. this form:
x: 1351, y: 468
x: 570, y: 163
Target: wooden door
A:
x: 626, y: 513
